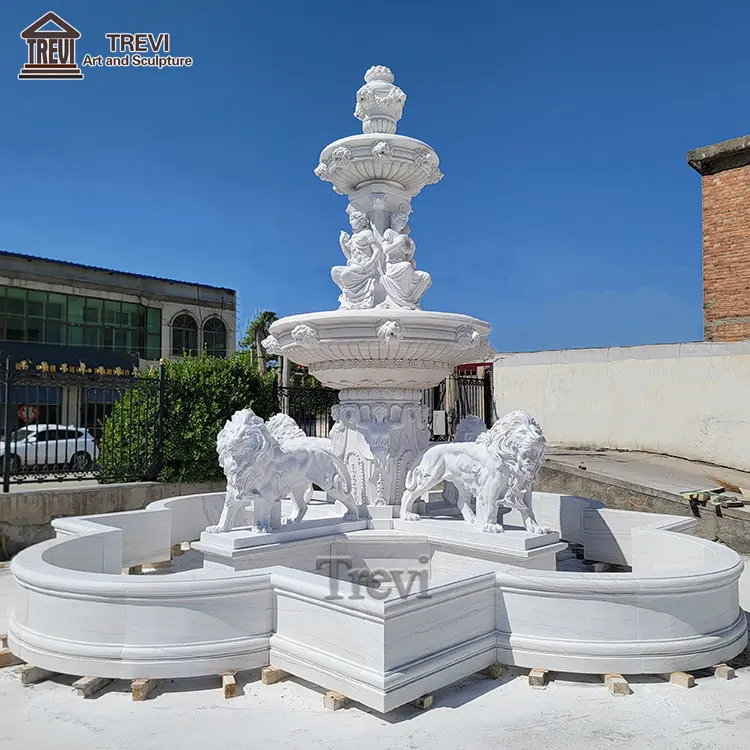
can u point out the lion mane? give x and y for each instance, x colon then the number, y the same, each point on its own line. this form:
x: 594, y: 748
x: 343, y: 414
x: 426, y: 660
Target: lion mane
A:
x: 517, y: 444
x: 245, y: 448
x: 469, y: 429
x: 282, y: 428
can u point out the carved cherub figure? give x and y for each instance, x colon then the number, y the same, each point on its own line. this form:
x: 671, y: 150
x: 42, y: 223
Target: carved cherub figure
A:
x: 359, y: 279
x: 404, y: 285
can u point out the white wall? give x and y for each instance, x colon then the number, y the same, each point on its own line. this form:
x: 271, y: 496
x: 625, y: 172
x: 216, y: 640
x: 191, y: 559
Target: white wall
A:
x: 690, y: 400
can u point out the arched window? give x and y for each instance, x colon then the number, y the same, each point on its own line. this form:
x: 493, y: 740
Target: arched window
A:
x: 215, y: 337
x: 184, y: 335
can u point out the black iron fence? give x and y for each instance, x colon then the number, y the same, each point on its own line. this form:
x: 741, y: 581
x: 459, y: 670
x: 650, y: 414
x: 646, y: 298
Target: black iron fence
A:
x: 79, y: 423
x: 310, y: 407
x: 457, y: 397
x: 474, y: 396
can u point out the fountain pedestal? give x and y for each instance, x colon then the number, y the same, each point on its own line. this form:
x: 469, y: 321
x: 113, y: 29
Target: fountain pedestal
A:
x: 379, y: 433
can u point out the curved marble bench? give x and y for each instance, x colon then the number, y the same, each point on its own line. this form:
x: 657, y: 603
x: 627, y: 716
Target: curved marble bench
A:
x: 74, y: 613
x: 677, y: 610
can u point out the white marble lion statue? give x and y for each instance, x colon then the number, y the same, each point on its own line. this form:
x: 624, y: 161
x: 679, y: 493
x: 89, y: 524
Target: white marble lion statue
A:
x: 498, y: 468
x: 261, y: 471
x: 284, y: 429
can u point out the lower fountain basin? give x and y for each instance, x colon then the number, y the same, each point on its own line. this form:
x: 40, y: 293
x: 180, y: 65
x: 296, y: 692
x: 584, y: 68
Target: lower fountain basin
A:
x: 394, y: 348
x: 74, y: 613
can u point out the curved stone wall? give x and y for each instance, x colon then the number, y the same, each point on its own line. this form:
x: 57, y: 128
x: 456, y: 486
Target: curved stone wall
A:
x: 75, y: 613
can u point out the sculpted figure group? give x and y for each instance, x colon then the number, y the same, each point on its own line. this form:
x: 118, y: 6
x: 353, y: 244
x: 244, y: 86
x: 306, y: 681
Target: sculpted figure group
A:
x: 380, y: 271
x: 266, y: 462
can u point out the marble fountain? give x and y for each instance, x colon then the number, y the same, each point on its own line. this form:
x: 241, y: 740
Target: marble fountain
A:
x: 359, y: 594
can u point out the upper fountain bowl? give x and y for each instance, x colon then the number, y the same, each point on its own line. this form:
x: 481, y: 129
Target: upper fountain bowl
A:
x: 352, y: 162
x: 375, y: 348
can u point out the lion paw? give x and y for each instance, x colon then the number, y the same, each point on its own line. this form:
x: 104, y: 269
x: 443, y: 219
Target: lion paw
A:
x: 213, y: 529
x: 351, y: 515
x: 493, y: 528
x: 289, y: 519
x: 406, y: 516
x: 534, y: 528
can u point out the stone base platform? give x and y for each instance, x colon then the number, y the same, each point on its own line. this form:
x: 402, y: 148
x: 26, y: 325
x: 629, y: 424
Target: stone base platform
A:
x: 245, y: 549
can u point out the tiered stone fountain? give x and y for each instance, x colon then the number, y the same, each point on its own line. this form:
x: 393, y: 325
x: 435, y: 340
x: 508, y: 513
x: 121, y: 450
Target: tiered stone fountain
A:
x: 288, y: 598
x: 379, y: 348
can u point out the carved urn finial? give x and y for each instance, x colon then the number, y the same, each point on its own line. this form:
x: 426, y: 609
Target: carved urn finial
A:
x: 379, y: 103
x: 379, y: 73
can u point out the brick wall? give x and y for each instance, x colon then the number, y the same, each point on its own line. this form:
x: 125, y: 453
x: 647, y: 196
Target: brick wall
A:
x: 726, y: 255
x: 725, y: 170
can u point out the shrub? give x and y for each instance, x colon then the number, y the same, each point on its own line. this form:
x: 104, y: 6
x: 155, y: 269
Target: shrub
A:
x: 201, y: 394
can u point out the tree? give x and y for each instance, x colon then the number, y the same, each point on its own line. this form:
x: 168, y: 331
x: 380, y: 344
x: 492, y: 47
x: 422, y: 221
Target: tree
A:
x: 258, y: 330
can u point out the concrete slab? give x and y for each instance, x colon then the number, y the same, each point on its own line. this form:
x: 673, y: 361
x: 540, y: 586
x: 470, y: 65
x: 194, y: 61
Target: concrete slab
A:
x: 631, y: 480
x: 575, y: 715
x: 666, y: 473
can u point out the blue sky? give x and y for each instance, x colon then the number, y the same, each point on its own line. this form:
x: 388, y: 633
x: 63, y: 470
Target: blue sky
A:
x: 567, y: 216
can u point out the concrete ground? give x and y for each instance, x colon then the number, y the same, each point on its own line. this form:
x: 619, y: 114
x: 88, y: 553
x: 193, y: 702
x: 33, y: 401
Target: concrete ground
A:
x: 572, y: 713
x: 666, y: 473
x: 631, y: 480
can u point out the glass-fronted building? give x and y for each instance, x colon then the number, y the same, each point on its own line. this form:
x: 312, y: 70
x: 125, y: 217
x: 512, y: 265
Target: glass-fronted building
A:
x: 41, y: 317
x: 58, y: 317
x: 57, y: 305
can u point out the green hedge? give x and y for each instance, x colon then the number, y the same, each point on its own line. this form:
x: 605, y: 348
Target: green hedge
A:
x: 201, y: 394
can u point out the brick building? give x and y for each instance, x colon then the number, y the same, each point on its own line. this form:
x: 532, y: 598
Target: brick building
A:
x: 725, y: 176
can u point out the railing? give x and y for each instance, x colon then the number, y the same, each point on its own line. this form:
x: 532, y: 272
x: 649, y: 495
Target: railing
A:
x: 61, y: 426
x: 457, y: 397
x: 83, y: 424
x: 474, y: 396
x: 310, y: 407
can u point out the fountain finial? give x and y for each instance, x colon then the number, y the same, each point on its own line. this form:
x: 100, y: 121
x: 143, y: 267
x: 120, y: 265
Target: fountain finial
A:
x: 379, y: 73
x: 379, y: 103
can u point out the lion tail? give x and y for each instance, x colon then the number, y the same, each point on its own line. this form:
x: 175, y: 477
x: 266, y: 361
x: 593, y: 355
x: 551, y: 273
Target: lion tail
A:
x: 341, y: 479
x: 415, y: 475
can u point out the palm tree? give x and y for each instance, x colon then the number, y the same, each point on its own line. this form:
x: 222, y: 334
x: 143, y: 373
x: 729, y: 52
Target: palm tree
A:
x: 258, y: 330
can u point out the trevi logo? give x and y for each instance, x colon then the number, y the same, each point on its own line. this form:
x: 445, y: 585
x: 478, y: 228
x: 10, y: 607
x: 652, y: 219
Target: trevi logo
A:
x: 52, y: 50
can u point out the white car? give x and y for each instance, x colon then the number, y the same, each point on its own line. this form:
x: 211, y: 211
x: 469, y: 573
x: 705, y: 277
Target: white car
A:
x: 51, y: 445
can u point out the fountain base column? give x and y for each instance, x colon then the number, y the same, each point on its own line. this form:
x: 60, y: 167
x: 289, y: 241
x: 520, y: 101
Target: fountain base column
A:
x: 379, y: 432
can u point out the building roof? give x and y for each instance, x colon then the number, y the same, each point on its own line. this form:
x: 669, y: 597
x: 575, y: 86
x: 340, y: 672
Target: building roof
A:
x: 70, y: 264
x: 721, y: 156
x: 63, y: 31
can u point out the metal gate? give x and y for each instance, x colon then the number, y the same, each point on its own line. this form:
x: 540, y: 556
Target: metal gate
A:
x: 457, y: 397
x: 310, y: 407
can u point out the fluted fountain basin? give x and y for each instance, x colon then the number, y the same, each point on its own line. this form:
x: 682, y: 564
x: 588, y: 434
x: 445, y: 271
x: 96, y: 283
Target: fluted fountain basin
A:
x: 399, y: 159
x: 390, y: 348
